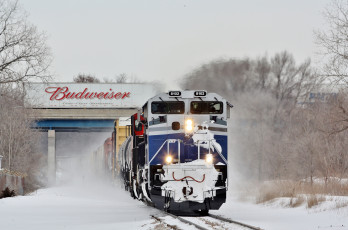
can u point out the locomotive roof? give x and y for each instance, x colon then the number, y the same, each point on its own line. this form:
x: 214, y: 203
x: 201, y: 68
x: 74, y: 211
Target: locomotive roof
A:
x: 188, y: 94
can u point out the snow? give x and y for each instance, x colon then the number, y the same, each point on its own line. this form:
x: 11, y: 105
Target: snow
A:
x: 74, y: 207
x: 168, y: 220
x: 208, y: 222
x: 274, y: 216
x: 205, y: 138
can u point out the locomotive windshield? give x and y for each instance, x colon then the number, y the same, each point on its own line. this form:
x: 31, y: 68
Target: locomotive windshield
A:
x: 167, y: 107
x: 206, y: 107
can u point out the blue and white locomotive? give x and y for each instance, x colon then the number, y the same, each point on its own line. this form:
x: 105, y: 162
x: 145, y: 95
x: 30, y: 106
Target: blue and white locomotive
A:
x: 176, y: 155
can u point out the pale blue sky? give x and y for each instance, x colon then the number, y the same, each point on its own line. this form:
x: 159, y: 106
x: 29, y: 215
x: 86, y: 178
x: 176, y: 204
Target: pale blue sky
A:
x: 165, y: 39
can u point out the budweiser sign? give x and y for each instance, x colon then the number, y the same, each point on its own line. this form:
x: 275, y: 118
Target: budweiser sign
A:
x: 61, y: 93
x: 91, y: 95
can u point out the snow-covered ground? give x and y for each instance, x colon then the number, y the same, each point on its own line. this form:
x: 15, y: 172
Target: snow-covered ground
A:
x: 274, y: 216
x: 74, y: 207
x: 98, y: 206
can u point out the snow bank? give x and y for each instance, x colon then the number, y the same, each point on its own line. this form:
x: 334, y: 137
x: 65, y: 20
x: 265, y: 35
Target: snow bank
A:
x: 273, y: 216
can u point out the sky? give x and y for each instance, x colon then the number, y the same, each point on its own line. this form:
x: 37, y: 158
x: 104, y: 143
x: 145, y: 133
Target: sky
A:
x: 163, y: 40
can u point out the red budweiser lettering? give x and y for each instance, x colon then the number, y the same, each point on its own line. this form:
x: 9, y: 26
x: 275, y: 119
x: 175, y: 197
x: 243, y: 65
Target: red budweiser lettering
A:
x: 61, y: 93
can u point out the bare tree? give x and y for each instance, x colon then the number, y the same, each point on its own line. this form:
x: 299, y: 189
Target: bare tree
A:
x: 262, y: 69
x: 126, y: 78
x: 334, y: 41
x: 284, y: 70
x: 340, y: 121
x: 336, y: 114
x: 24, y: 54
x: 121, y: 78
x: 228, y: 77
x: 86, y: 78
x: 292, y: 82
x: 18, y: 142
x: 280, y: 76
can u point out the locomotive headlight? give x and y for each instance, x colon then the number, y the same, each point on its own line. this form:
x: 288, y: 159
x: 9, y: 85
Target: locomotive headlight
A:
x: 169, y: 159
x: 209, y: 158
x: 189, y: 125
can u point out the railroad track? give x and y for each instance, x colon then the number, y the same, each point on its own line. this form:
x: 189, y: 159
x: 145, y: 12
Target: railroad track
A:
x: 205, y: 222
x: 234, y: 222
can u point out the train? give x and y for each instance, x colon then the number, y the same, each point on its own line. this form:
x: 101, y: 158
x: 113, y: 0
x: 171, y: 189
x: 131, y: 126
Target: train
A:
x: 101, y: 159
x: 176, y: 154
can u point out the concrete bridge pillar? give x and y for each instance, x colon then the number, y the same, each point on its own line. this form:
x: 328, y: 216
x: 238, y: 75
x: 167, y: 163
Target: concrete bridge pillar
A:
x: 51, y: 157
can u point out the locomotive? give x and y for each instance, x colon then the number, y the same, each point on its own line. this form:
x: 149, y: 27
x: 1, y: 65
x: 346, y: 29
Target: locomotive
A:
x: 176, y: 157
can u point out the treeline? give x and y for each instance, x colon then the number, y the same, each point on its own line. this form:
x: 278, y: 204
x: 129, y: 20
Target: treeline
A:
x: 277, y: 132
x: 24, y: 57
x: 18, y: 142
x: 119, y: 78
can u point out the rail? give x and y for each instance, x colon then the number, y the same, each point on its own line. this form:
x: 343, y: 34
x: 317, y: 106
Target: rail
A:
x: 234, y: 222
x: 204, y: 220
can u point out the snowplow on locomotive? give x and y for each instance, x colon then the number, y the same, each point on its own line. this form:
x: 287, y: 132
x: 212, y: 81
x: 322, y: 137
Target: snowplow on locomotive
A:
x: 176, y: 156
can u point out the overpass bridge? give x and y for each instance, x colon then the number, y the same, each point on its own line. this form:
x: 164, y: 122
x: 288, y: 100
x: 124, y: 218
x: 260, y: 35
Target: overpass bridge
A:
x: 81, y: 108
